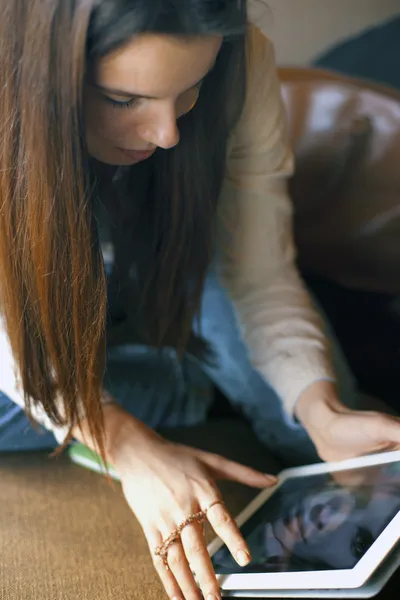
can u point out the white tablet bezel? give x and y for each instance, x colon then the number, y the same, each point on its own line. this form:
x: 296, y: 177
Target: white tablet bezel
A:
x: 370, y: 589
x: 337, y: 579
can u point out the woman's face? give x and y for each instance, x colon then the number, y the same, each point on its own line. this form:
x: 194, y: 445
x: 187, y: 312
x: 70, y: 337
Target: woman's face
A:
x: 134, y: 96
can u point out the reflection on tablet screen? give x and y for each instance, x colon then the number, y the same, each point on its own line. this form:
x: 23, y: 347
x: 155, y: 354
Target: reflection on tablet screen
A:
x: 319, y: 522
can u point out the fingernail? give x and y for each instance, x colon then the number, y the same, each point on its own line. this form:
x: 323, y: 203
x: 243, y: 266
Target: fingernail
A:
x: 243, y: 557
x: 213, y: 597
x: 272, y: 480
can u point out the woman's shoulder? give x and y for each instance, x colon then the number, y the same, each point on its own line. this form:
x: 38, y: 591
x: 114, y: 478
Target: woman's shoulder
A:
x: 262, y: 109
x: 260, y: 53
x: 259, y: 146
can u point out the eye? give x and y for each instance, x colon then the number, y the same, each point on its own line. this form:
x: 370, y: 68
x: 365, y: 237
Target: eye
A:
x: 121, y: 104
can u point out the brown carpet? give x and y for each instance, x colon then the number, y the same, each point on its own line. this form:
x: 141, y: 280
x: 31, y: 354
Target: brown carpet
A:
x: 67, y: 534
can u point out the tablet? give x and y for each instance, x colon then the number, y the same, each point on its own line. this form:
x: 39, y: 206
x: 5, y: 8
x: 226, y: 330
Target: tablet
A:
x: 323, y: 527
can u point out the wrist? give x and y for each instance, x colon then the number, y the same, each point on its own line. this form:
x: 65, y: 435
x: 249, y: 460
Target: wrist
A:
x: 318, y: 403
x: 125, y: 436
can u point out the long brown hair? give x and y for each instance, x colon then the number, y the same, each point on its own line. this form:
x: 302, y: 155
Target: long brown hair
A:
x: 52, y: 282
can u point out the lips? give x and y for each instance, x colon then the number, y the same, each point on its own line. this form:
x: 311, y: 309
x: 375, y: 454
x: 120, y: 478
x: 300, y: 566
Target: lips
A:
x: 137, y: 155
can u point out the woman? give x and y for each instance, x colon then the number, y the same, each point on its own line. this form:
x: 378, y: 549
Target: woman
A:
x: 158, y: 126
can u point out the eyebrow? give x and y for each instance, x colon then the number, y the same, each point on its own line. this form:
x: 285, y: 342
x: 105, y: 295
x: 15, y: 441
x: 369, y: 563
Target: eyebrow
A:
x: 126, y: 94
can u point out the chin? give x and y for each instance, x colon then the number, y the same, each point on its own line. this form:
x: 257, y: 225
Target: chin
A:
x: 115, y: 159
x: 111, y: 159
x: 108, y: 155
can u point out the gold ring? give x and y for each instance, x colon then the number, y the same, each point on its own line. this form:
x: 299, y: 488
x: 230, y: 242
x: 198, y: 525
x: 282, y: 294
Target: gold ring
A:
x: 213, y: 504
x: 162, y: 550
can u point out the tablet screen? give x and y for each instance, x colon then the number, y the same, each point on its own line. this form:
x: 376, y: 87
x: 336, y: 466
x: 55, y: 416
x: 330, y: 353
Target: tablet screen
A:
x: 319, y: 522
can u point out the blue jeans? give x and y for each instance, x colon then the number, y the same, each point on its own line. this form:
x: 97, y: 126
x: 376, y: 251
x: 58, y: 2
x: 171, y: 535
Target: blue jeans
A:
x: 163, y: 392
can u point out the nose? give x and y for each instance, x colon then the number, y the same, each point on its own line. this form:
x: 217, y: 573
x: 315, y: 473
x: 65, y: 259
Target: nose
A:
x: 161, y: 128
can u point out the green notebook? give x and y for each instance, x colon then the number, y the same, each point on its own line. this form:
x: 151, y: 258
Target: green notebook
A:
x: 81, y: 455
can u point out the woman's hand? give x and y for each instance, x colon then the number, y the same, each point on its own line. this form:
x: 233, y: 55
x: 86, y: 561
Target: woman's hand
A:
x: 339, y: 432
x: 164, y: 483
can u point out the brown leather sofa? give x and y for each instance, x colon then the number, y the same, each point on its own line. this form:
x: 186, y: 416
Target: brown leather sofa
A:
x: 346, y: 192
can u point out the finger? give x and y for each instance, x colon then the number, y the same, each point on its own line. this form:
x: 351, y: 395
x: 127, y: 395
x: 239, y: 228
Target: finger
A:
x: 165, y: 574
x: 225, y: 527
x: 199, y: 560
x: 222, y: 468
x: 168, y: 580
x: 180, y: 568
x: 385, y: 429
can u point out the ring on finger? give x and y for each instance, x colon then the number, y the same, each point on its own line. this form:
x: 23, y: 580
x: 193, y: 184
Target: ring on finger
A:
x: 214, y: 503
x: 161, y: 551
